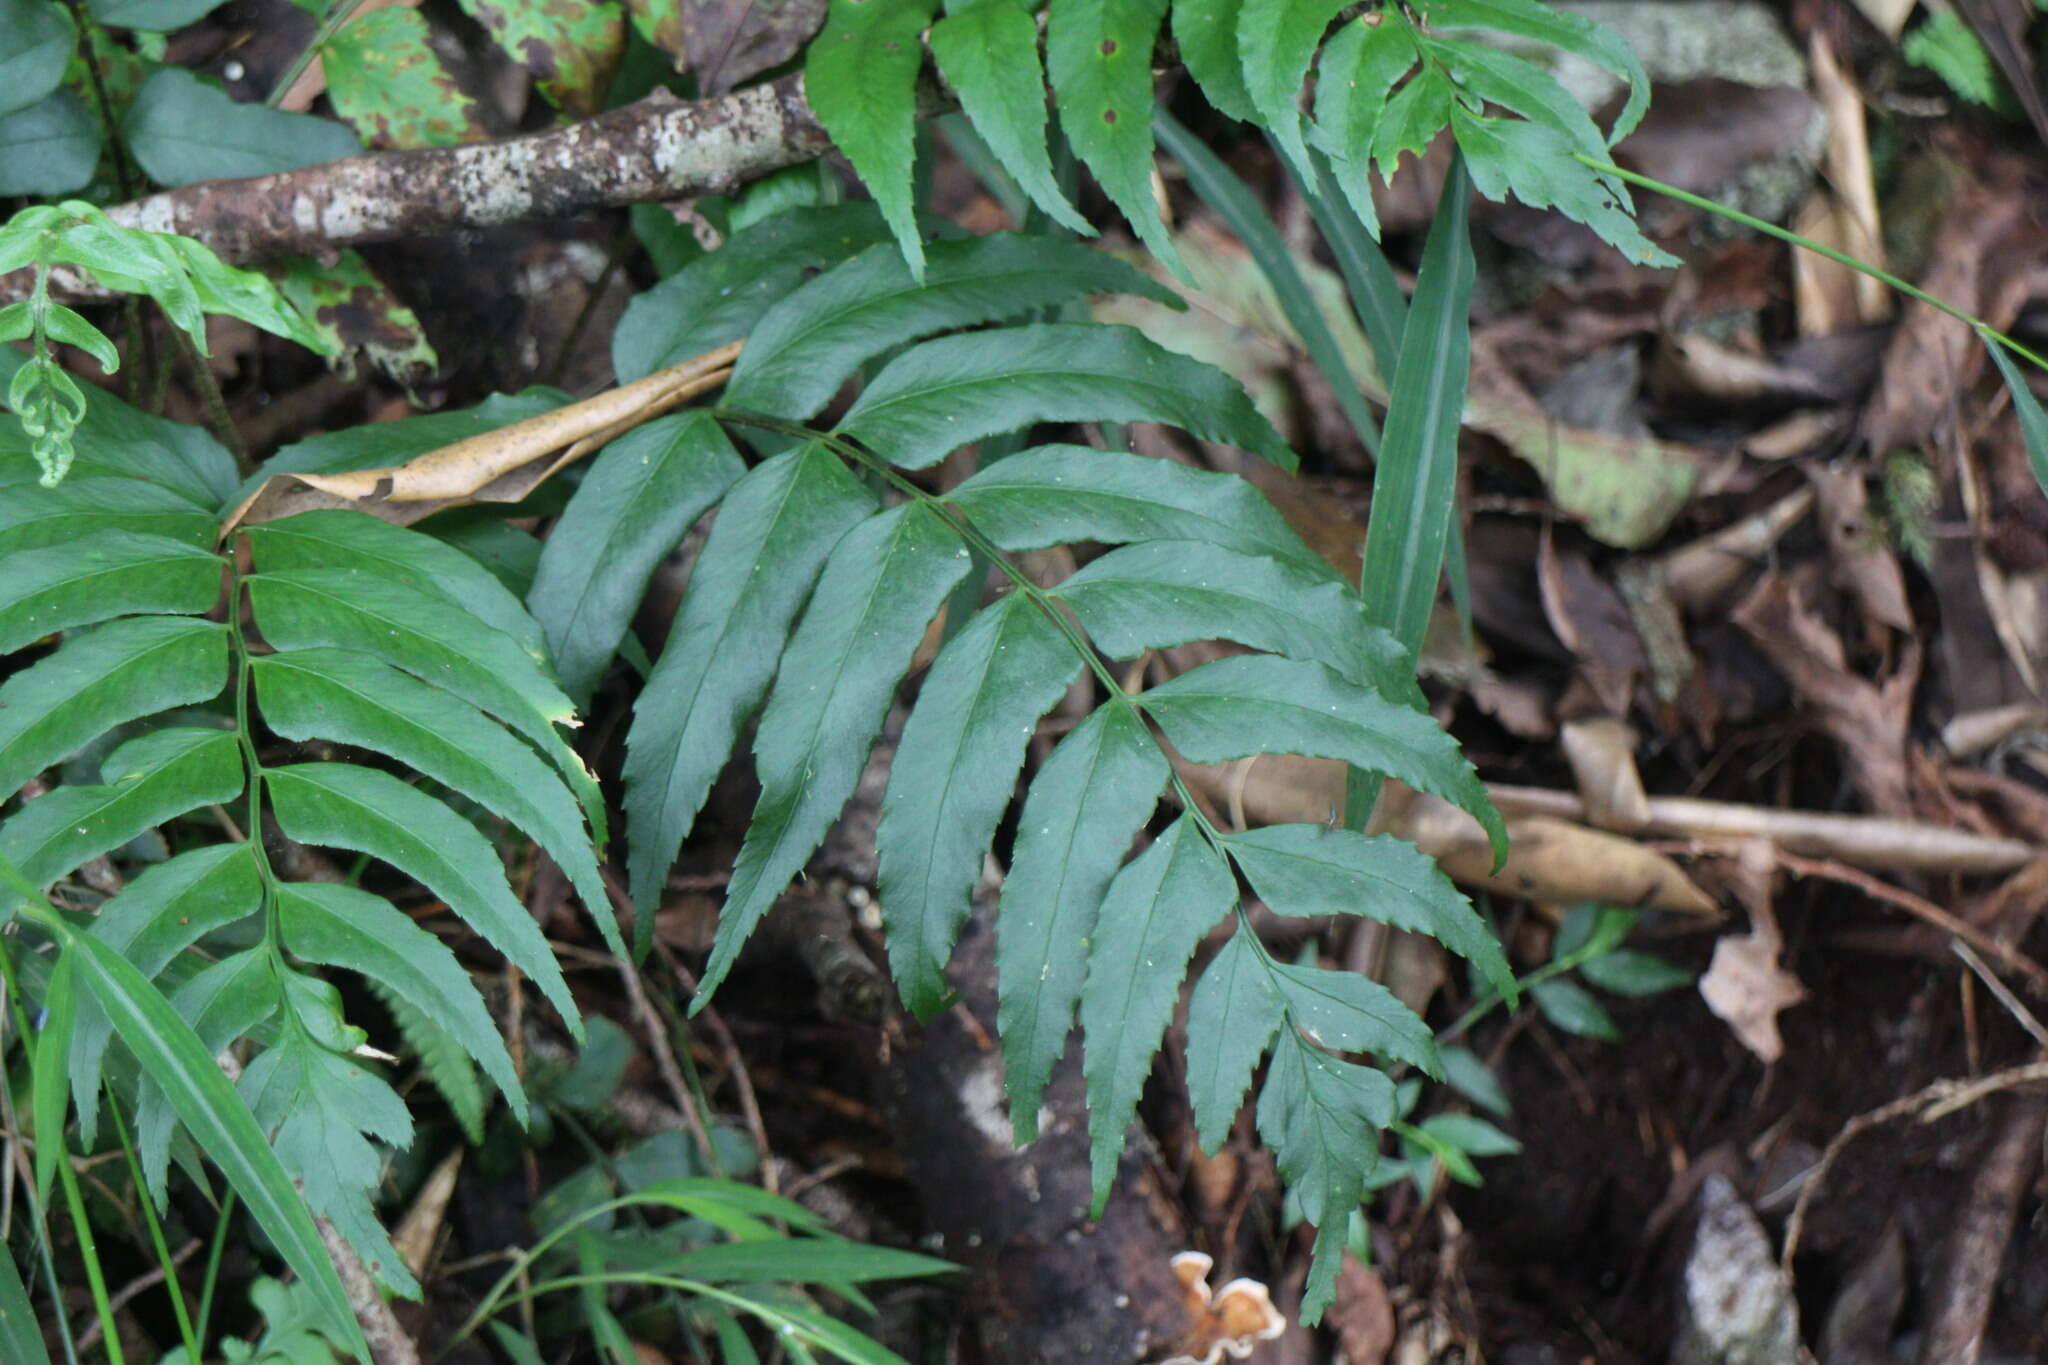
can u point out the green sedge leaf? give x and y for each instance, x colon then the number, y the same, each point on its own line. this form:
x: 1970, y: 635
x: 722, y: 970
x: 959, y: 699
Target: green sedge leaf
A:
x: 35, y: 43
x: 1351, y: 235
x: 1276, y: 41
x: 388, y: 83
x: 801, y: 1260
x: 1098, y: 56
x: 1322, y: 1117
x: 719, y: 296
x: 1355, y: 78
x: 1232, y: 1017
x: 1207, y: 37
x: 49, y: 1095
x: 1309, y: 870
x: 102, y: 678
x: 1058, y: 494
x: 165, y: 910
x: 1351, y: 1013
x: 183, y: 130
x: 386, y: 617
x: 988, y: 53
x: 860, y: 75
x: 21, y: 1337
x: 1258, y: 703
x: 1567, y: 32
x: 951, y: 780
x: 168, y: 1050
x: 639, y: 497
x: 338, y: 805
x: 773, y: 532
x: 318, y: 1105
x: 375, y: 445
x: 36, y: 518
x: 221, y: 1002
x: 340, y: 926
x: 112, y: 573
x: 116, y: 439
x: 341, y: 539
x: 1571, y: 1007
x: 878, y: 592
x: 807, y: 345
x: 940, y: 395
x: 2033, y: 420
x: 352, y: 698
x: 149, y: 780
x: 49, y: 147
x: 1085, y: 806
x: 1626, y: 971
x: 1172, y: 592
x: 1152, y: 919
x: 1535, y: 163
x: 445, y: 1061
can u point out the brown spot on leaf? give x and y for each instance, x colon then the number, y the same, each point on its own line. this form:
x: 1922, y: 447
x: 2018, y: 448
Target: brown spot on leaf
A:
x: 1109, y: 116
x: 1109, y: 47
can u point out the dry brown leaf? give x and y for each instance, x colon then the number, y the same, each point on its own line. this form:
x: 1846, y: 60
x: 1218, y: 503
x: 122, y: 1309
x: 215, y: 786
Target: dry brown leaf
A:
x: 1744, y: 984
x: 414, y: 1237
x: 1593, y: 622
x: 1602, y: 753
x: 499, y: 466
x: 1864, y: 566
x: 1361, y: 1315
x: 1700, y: 572
x: 1849, y: 172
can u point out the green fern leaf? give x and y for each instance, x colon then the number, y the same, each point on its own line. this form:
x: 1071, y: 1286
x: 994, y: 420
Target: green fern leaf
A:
x: 773, y: 532
x: 952, y: 777
x: 221, y: 1002
x: 988, y: 53
x: 883, y: 584
x: 1322, y: 1117
x: 150, y: 779
x: 128, y: 442
x: 1276, y: 41
x: 1098, y: 55
x: 1521, y: 87
x: 1352, y: 1013
x: 1152, y: 918
x: 446, y: 1064
x: 1309, y: 870
x: 639, y: 497
x: 112, y: 573
x: 352, y: 698
x: 808, y: 344
x: 940, y: 395
x: 1232, y: 1017
x: 1414, y: 115
x: 860, y: 75
x: 102, y: 678
x: 338, y: 805
x: 1059, y: 494
x: 339, y: 926
x: 1206, y: 34
x: 1534, y: 163
x: 1354, y: 79
x: 34, y: 518
x: 1567, y: 32
x: 1085, y: 806
x: 721, y: 295
x: 1164, y: 593
x: 1236, y: 707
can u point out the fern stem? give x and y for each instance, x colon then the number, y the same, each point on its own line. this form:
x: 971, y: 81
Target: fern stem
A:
x: 1983, y: 329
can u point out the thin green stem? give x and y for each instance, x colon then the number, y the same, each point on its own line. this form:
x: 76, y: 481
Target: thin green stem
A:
x: 214, y: 1250
x: 156, y: 1232
x: 337, y: 15
x: 1756, y: 224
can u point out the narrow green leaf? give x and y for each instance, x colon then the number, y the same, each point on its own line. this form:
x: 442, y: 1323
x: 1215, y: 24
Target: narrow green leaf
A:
x: 352, y: 698
x: 1058, y: 494
x: 1472, y: 1078
x: 1207, y: 37
x: 1152, y: 919
x: 801, y: 1260
x: 1572, y: 1008
x: 183, y: 130
x: 773, y: 532
x: 340, y: 926
x: 1098, y: 55
x: 102, y: 678
x: 1309, y: 870
x: 1164, y: 593
x: 940, y: 395
x: 1469, y: 1134
x: 339, y: 805
x: 220, y: 1122
x: 805, y: 347
x: 951, y: 780
x: 1276, y: 41
x: 34, y: 518
x: 1086, y: 805
x: 719, y: 296
x: 1625, y: 971
x: 860, y: 75
x: 1262, y: 704
x: 1567, y: 32
x: 221, y: 1002
x: 49, y: 1093
x: 878, y: 592
x: 35, y: 43
x: 1376, y: 297
x: 2033, y: 420
x: 149, y: 780
x: 1232, y: 1017
x: 988, y: 53
x: 21, y: 1337
x: 639, y: 497
x: 111, y: 573
x: 1351, y: 1013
